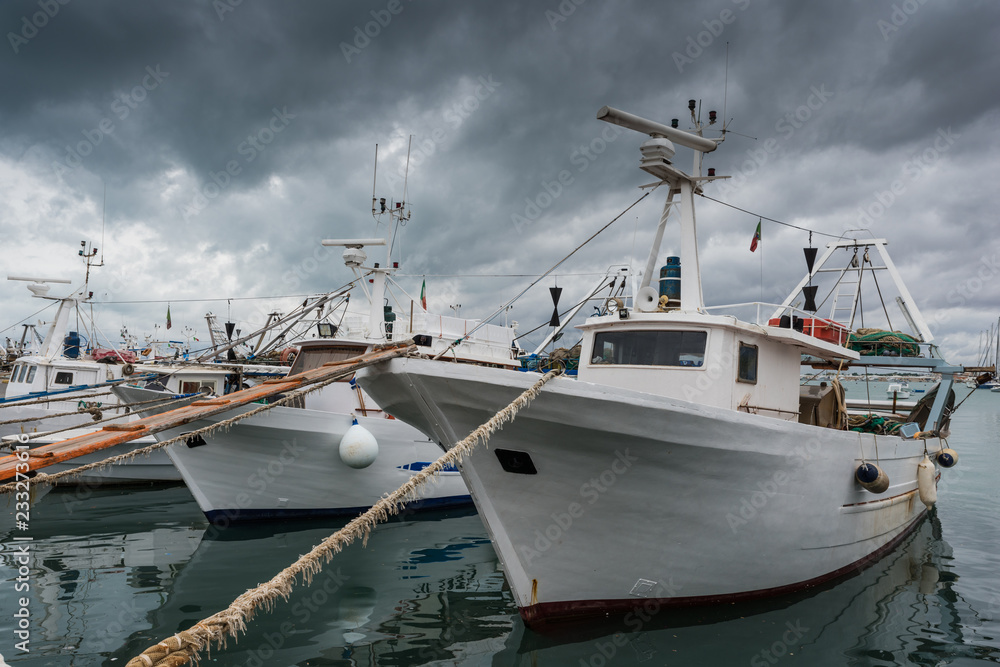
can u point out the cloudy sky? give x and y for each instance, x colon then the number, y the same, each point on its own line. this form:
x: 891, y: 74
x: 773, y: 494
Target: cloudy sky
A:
x: 231, y: 137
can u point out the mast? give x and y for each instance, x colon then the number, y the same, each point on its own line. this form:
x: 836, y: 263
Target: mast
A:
x: 657, y: 155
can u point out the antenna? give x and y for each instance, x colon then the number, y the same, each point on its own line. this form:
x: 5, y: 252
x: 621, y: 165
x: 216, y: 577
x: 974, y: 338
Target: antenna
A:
x: 104, y: 218
x: 725, y: 91
x: 374, y: 176
x: 407, y: 173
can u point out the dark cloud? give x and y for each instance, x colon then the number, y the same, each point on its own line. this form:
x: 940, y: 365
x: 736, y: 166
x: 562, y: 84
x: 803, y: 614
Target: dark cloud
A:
x: 232, y: 137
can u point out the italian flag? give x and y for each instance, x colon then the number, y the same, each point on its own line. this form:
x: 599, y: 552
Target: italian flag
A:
x: 756, y: 239
x: 423, y: 295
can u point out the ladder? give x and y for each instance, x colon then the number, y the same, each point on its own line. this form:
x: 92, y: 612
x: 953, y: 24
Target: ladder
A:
x: 216, y: 331
x: 845, y: 299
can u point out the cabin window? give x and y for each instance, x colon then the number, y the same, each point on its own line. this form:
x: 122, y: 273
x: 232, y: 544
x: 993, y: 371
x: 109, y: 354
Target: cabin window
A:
x: 31, y: 373
x: 18, y: 372
x: 650, y: 348
x: 63, y: 377
x: 747, y: 371
x: 314, y: 357
x: 195, y: 386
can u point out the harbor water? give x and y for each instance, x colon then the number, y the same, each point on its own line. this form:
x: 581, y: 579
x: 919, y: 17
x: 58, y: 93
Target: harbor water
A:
x: 106, y: 574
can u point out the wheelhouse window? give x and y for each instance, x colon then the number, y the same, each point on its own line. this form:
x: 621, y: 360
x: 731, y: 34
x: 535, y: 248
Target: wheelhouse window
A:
x: 63, y: 377
x: 31, y: 373
x: 195, y: 386
x: 18, y: 372
x: 650, y: 348
x: 747, y: 371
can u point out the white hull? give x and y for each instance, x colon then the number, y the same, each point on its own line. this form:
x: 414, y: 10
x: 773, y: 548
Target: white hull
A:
x: 285, y: 463
x: 640, y: 497
x: 149, y: 469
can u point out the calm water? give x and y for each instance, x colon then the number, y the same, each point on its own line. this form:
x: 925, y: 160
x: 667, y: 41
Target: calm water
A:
x: 112, y: 573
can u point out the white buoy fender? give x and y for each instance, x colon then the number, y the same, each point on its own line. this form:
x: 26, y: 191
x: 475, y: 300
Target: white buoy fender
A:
x: 926, y: 486
x: 358, y: 447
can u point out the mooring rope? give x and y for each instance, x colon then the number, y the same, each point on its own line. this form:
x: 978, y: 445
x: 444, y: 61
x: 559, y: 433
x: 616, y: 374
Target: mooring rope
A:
x: 164, y: 402
x: 313, y: 385
x: 68, y: 396
x: 38, y: 418
x: 94, y: 410
x: 184, y: 647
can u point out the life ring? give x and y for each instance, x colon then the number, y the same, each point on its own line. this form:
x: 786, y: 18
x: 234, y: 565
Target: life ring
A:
x: 288, y: 355
x: 128, y: 369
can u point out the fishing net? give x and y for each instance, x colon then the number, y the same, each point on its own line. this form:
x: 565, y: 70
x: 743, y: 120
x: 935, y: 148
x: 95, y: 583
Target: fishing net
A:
x: 881, y: 343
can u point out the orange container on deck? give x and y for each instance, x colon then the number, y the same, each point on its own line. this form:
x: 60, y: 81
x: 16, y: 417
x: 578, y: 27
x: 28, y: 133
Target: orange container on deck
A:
x: 827, y: 330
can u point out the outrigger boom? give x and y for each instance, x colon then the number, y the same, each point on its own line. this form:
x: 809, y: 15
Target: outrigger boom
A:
x: 13, y: 465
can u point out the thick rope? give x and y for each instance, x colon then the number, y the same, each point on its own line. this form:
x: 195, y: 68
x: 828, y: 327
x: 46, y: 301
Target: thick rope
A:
x: 184, y: 647
x: 71, y: 395
x: 38, y: 418
x: 164, y: 402
x: 313, y: 385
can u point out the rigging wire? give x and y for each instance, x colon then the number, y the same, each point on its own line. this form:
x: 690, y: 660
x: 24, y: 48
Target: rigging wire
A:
x: 28, y: 317
x: 555, y: 266
x: 231, y: 298
x: 764, y: 217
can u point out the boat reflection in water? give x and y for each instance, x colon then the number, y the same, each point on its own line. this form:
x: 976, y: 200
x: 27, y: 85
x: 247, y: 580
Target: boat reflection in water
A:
x: 100, y: 562
x: 426, y: 587
x: 115, y: 573
x: 902, y: 610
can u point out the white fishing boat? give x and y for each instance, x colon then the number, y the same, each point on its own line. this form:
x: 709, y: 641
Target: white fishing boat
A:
x: 685, y: 464
x: 332, y: 452
x: 898, y: 390
x: 64, y: 390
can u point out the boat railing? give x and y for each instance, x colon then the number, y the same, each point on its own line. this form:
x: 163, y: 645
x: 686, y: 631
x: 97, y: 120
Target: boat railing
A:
x: 881, y: 344
x: 801, y: 320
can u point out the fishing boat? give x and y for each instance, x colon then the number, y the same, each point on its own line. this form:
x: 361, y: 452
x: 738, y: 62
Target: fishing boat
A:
x: 65, y: 389
x: 898, y: 390
x: 335, y: 451
x: 685, y: 464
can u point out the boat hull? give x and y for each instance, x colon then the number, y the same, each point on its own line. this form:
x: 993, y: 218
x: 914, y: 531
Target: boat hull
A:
x: 285, y: 463
x: 641, y: 500
x: 151, y: 469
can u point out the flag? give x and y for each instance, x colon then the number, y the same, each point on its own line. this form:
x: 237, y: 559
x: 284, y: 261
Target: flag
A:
x: 756, y: 239
x: 423, y: 295
x: 168, y: 316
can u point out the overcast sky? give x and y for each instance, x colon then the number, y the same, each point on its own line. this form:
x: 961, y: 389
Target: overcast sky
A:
x: 231, y: 137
